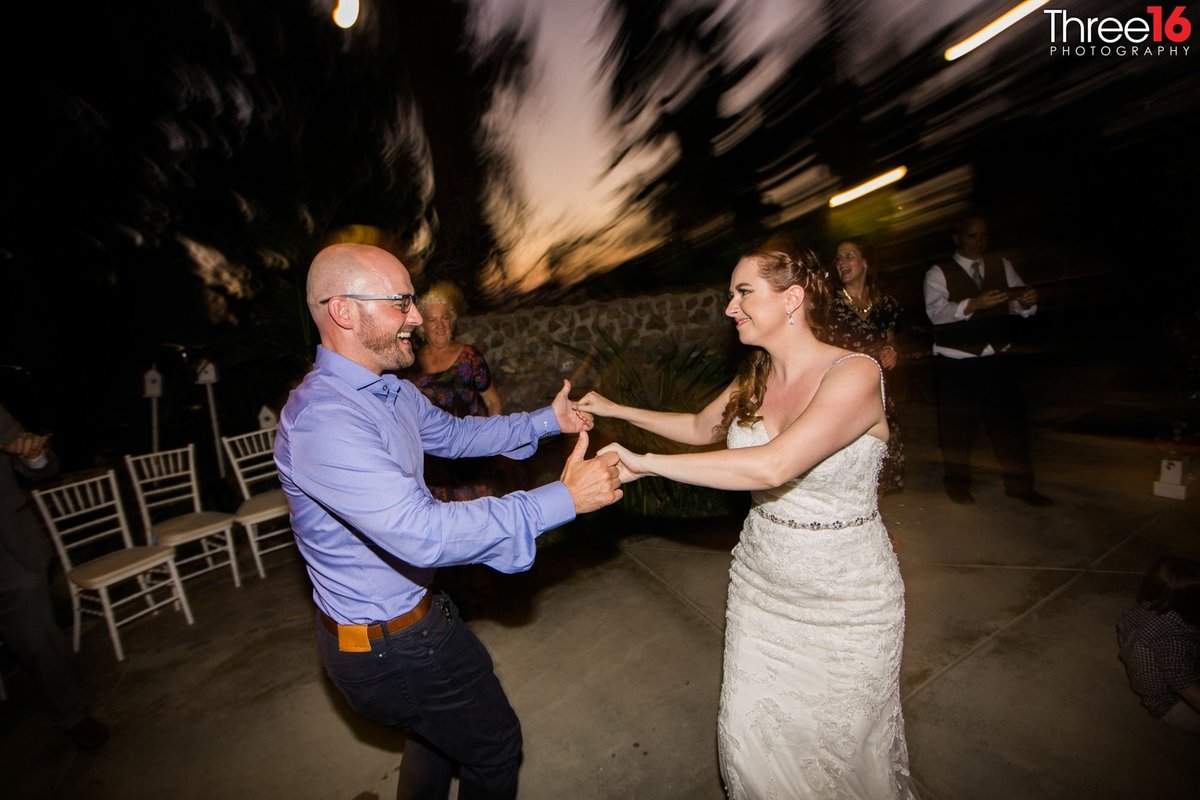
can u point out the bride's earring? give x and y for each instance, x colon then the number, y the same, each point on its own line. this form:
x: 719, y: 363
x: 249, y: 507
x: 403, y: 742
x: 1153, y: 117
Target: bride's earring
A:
x: 791, y: 319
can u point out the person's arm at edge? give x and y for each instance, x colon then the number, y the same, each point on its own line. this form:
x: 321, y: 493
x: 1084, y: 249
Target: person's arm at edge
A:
x: 491, y: 399
x: 31, y: 454
x: 1191, y: 696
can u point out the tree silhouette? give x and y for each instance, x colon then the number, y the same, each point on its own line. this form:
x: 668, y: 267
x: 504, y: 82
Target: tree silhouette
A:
x: 670, y: 69
x: 170, y: 180
x: 454, y: 81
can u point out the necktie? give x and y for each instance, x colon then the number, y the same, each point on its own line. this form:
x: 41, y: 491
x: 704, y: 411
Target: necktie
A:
x: 977, y: 273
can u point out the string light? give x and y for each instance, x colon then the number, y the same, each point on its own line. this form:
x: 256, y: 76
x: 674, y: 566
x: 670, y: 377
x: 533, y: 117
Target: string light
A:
x: 865, y: 188
x: 994, y: 28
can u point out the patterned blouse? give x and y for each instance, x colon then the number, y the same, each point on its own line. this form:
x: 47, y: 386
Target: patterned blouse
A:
x: 456, y: 390
x: 868, y: 335
x: 847, y: 329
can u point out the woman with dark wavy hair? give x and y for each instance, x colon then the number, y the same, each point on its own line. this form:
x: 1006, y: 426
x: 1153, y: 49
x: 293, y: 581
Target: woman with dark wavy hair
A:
x: 810, y: 700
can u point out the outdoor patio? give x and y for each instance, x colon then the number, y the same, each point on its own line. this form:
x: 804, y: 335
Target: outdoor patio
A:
x: 610, y: 650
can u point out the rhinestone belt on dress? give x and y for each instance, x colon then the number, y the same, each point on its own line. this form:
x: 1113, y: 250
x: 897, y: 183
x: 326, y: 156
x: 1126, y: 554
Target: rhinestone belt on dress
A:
x: 817, y: 526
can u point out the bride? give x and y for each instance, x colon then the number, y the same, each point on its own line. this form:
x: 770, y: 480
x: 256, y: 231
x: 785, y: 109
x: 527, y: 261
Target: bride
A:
x: 810, y: 699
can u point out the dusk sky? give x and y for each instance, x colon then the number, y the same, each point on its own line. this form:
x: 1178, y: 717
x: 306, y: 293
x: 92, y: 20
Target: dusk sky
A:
x: 563, y: 140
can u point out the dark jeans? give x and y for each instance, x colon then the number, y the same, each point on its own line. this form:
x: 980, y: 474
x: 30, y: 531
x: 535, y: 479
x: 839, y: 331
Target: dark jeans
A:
x: 434, y: 680
x: 984, y: 390
x: 28, y: 627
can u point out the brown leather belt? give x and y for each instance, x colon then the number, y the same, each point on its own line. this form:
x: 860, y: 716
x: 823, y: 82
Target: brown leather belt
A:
x: 352, y: 637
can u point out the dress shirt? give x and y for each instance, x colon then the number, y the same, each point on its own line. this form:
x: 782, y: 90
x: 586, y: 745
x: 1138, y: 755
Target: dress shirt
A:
x: 350, y: 451
x: 942, y: 312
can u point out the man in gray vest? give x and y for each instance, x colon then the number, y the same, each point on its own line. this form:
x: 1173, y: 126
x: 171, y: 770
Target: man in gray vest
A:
x: 971, y: 300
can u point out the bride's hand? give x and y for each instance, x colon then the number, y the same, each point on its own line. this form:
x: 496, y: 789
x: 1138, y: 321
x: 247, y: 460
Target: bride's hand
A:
x: 630, y: 467
x: 598, y: 404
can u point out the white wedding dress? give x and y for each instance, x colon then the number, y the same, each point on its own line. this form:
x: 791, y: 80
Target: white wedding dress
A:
x: 810, y: 702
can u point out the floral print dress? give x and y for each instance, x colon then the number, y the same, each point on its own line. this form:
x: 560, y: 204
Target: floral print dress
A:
x: 457, y: 391
x: 868, y: 334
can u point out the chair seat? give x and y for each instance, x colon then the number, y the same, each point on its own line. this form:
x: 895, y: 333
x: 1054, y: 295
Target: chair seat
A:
x: 190, y: 527
x: 262, y: 507
x: 118, y: 566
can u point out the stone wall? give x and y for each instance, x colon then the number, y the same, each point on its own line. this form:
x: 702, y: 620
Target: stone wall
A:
x: 528, y: 367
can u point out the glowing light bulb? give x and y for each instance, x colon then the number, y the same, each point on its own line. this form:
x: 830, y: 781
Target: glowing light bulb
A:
x: 345, y: 13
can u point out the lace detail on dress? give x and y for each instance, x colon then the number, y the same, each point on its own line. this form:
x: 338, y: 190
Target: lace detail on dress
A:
x: 810, y: 703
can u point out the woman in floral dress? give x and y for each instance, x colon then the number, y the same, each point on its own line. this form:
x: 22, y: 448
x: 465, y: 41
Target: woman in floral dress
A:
x: 456, y: 378
x: 863, y: 319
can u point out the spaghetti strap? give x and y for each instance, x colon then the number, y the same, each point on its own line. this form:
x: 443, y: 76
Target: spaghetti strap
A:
x: 882, y: 386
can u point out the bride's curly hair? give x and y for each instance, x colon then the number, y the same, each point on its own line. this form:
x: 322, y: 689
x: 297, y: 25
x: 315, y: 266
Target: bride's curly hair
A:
x: 781, y: 264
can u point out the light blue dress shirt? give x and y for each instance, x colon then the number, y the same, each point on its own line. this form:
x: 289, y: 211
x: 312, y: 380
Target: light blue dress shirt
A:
x: 350, y: 451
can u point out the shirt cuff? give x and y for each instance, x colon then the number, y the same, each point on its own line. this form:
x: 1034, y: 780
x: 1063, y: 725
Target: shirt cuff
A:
x: 545, y: 422
x: 556, y: 503
x: 960, y: 311
x: 37, y: 463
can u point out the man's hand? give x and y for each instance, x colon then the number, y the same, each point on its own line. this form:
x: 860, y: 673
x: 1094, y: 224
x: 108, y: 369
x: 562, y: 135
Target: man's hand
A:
x: 570, y: 418
x: 1028, y: 298
x: 28, y: 446
x: 593, y: 483
x: 989, y: 299
x: 630, y: 466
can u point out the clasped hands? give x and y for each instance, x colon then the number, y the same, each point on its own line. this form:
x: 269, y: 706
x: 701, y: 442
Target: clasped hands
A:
x: 995, y: 297
x: 630, y: 465
x: 595, y: 482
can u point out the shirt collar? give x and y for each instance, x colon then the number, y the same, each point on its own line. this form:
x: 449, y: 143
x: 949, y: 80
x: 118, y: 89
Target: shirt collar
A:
x: 356, y: 375
x: 965, y: 262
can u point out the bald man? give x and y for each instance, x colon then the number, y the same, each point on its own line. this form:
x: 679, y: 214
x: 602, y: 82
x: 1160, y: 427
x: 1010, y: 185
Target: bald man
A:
x: 350, y: 450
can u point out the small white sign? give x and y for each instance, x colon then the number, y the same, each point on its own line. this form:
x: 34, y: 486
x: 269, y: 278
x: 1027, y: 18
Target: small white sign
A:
x: 206, y: 372
x: 152, y: 383
x: 267, y: 418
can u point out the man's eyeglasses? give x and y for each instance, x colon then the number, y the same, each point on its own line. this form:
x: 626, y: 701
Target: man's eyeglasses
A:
x: 403, y: 301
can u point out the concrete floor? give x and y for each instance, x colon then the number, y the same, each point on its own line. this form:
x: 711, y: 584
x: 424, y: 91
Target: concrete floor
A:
x: 610, y: 650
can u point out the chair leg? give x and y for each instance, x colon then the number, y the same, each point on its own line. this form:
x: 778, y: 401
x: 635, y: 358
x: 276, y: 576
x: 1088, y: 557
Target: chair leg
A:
x: 252, y: 535
x: 187, y: 610
x: 77, y: 613
x: 233, y: 565
x: 112, y: 623
x: 210, y: 548
x: 144, y: 583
